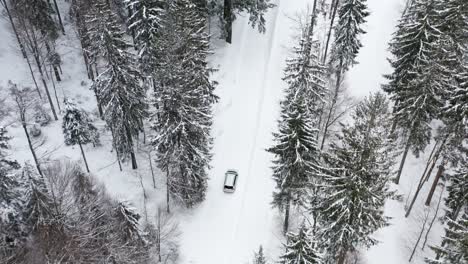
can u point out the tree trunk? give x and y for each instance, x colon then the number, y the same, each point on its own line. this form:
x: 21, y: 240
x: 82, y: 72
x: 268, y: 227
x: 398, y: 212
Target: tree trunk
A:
x: 342, y: 256
x: 332, y: 21
x: 286, y: 216
x: 23, y: 51
x: 34, y: 48
x: 435, y: 183
x: 403, y: 160
x: 228, y: 20
x: 433, y: 219
x: 310, y: 34
x: 32, y: 75
x: 132, y: 151
x: 33, y: 152
x: 115, y: 148
x: 152, y: 171
x: 421, y: 181
x: 339, y: 73
x: 84, y: 157
x: 55, y: 93
x: 59, y: 17
x: 167, y: 191
x: 419, y: 237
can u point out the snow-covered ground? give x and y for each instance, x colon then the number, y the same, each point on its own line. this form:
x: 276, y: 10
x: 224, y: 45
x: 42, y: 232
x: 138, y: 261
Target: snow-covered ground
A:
x: 227, y: 228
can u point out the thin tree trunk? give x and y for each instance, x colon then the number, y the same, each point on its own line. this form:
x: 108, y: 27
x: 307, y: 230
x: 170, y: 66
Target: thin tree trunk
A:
x: 436, y: 156
x: 334, y: 101
x: 55, y: 93
x: 435, y: 183
x: 132, y: 151
x: 152, y: 171
x: 167, y: 191
x: 34, y: 48
x: 32, y: 75
x: 23, y: 51
x: 158, y: 236
x: 228, y: 20
x: 332, y: 21
x: 421, y: 181
x: 115, y: 148
x: 33, y: 152
x: 59, y: 17
x: 84, y: 157
x: 286, y: 216
x: 310, y: 34
x: 419, y: 237
x: 403, y: 160
x: 434, y: 218
x: 342, y: 256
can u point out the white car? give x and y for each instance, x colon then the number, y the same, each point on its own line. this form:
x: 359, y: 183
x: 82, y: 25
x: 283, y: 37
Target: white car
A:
x: 230, y: 180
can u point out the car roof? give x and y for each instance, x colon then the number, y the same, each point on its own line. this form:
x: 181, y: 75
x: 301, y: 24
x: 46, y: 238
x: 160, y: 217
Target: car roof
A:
x: 230, y: 178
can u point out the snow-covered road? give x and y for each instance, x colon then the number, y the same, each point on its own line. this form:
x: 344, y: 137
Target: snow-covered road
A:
x: 227, y: 228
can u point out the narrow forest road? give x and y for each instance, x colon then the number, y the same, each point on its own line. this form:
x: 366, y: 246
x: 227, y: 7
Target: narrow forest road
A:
x: 228, y: 228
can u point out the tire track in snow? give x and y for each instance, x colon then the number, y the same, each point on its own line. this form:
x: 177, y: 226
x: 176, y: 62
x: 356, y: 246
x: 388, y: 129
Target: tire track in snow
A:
x: 266, y: 69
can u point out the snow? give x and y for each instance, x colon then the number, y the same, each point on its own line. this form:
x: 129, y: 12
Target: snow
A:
x: 228, y: 228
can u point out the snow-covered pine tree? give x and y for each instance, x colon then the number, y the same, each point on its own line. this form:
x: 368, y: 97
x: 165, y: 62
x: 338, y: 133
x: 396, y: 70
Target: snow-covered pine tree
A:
x: 295, y: 149
x: 10, y: 199
x: 227, y: 11
x: 183, y: 100
x: 455, y: 249
x: 415, y: 85
x: 352, y: 15
x: 296, y: 154
x: 128, y: 221
x: 356, y: 180
x: 77, y: 127
x: 457, y: 191
x: 40, y: 210
x: 259, y: 257
x: 144, y: 21
x: 300, y: 248
x: 305, y: 75
x: 119, y: 85
x: 39, y: 13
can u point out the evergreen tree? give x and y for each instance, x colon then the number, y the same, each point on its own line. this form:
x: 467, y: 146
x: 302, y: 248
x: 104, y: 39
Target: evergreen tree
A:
x: 415, y: 84
x: 183, y: 100
x: 352, y: 14
x: 295, y: 149
x: 259, y: 257
x: 356, y: 180
x: 457, y: 192
x: 128, y: 221
x: 296, y: 155
x: 119, y: 85
x: 144, y: 21
x: 77, y: 127
x: 39, y: 13
x: 10, y: 198
x: 305, y: 75
x: 455, y: 250
x: 227, y: 11
x: 300, y: 248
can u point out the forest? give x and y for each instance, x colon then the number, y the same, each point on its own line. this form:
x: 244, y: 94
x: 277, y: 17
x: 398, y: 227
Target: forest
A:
x: 120, y: 118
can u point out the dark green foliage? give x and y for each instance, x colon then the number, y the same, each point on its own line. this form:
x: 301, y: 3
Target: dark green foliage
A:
x: 352, y: 14
x: 183, y: 100
x: 119, y: 85
x: 77, y: 127
x: 455, y: 249
x: 300, y: 248
x: 356, y: 181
